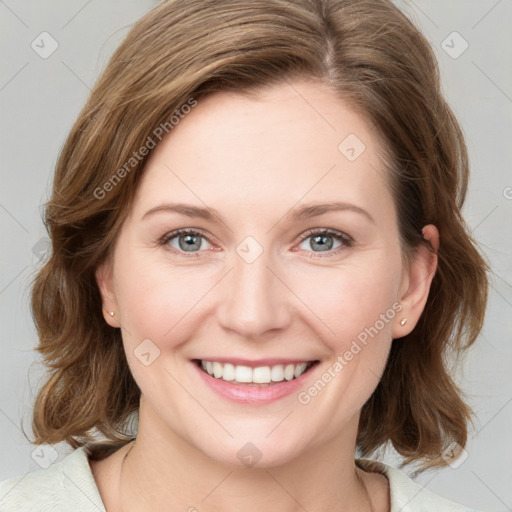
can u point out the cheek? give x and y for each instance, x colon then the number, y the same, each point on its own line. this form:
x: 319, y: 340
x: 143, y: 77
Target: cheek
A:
x: 158, y: 301
x: 347, y: 300
x: 356, y: 307
x: 158, y: 305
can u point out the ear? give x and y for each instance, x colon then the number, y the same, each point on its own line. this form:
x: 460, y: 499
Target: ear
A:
x: 416, y: 283
x: 104, y: 280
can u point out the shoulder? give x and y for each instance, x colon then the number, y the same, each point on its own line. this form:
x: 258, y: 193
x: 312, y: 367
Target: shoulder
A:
x: 65, y: 485
x: 407, y: 495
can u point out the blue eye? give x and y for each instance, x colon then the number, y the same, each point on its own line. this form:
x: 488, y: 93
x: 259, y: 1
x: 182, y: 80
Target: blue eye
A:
x: 325, y: 240
x: 185, y: 240
x: 190, y: 242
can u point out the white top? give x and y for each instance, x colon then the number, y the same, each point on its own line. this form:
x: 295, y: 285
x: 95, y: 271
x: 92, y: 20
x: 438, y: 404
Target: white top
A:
x: 69, y: 485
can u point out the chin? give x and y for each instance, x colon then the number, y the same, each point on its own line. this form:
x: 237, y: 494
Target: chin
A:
x: 260, y: 453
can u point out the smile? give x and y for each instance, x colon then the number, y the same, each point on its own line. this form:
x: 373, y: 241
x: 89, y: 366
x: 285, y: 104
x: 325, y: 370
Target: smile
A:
x: 242, y: 374
x: 254, y: 382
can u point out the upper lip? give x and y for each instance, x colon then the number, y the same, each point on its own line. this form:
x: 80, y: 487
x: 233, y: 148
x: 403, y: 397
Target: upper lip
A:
x: 256, y: 362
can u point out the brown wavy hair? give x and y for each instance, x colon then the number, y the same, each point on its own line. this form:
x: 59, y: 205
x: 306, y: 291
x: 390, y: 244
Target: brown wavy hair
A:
x: 379, y: 63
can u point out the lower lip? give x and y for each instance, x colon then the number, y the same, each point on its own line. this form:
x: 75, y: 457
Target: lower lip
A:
x: 247, y: 394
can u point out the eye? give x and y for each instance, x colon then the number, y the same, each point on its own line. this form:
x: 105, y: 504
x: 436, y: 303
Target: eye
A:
x: 185, y: 241
x: 325, y: 241
x: 190, y: 242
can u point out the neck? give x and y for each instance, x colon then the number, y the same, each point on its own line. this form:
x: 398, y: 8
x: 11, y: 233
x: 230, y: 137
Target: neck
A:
x: 162, y: 471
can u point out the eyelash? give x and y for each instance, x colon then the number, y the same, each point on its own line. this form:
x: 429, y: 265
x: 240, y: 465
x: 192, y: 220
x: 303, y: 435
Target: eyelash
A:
x: 345, y: 239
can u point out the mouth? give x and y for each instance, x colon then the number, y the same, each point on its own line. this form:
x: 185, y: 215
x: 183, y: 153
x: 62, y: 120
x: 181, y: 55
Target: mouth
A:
x: 254, y: 374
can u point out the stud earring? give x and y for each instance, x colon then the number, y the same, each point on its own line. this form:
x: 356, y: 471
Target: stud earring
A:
x: 111, y: 313
x: 403, y: 321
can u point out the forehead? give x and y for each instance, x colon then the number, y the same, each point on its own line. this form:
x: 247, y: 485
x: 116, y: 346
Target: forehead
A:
x: 289, y: 143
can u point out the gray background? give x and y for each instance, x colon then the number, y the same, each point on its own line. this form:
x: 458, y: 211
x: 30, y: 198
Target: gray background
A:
x: 40, y: 98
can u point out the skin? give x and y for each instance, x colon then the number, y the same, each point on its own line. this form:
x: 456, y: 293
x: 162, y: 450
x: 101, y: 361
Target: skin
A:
x: 255, y: 160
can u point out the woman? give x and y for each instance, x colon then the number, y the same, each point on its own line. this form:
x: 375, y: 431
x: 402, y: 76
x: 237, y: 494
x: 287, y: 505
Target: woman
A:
x: 258, y: 255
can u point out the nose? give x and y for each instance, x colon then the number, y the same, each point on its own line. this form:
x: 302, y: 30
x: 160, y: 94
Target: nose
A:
x: 254, y: 300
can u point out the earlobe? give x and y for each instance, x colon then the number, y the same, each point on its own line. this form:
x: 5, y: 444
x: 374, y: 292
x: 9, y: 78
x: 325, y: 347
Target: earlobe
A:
x: 103, y: 275
x: 418, y: 279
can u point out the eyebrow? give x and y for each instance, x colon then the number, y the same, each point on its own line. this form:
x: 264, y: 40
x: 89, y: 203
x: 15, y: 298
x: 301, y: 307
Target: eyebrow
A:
x: 313, y: 210
x: 185, y: 209
x: 303, y: 213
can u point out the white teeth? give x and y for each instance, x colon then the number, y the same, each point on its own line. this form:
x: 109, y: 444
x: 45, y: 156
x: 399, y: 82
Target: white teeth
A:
x: 261, y: 374
x: 277, y: 373
x: 289, y: 371
x: 243, y: 374
x: 299, y: 369
x: 229, y: 372
x: 258, y: 375
x: 217, y: 370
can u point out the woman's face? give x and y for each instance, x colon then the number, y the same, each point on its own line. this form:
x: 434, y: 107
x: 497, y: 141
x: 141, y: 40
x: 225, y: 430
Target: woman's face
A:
x: 292, y: 256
